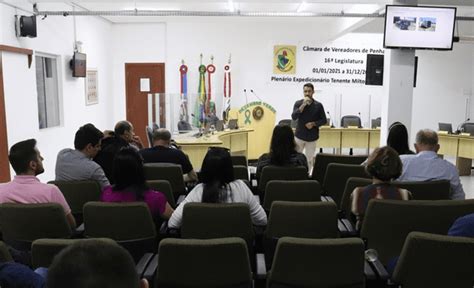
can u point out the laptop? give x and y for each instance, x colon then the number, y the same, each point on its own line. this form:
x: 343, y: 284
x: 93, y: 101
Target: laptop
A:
x: 448, y: 127
x: 233, y: 124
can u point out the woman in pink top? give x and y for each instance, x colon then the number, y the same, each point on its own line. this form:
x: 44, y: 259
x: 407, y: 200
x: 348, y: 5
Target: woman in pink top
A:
x: 130, y: 184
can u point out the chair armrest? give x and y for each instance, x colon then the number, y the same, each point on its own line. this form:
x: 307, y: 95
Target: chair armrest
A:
x: 180, y: 199
x: 151, y: 269
x: 261, y: 267
x: 379, y: 270
x: 143, y: 263
x: 349, y: 227
x: 342, y: 228
x: 369, y: 272
x: 78, y: 232
x: 168, y: 232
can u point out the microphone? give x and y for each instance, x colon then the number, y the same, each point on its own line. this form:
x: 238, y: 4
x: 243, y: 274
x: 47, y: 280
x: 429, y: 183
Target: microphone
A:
x: 251, y: 90
x: 360, y: 120
x: 246, y: 98
x: 329, y: 122
x: 460, y: 129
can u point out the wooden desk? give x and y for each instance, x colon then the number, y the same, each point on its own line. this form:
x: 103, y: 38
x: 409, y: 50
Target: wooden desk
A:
x: 459, y: 146
x: 348, y: 138
x: 196, y: 148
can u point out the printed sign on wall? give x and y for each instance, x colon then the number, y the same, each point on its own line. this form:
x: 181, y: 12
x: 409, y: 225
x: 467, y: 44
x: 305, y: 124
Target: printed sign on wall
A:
x: 284, y: 59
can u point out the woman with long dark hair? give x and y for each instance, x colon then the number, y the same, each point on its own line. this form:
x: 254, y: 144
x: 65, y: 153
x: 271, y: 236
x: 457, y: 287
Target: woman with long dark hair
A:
x: 218, y: 185
x: 130, y: 184
x: 398, y: 138
x: 282, y: 150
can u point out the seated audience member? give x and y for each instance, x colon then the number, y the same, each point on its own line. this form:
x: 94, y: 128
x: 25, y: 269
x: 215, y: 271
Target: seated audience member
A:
x: 383, y: 165
x: 219, y: 186
x: 426, y: 165
x: 162, y: 152
x: 77, y: 164
x: 123, y: 137
x: 25, y: 188
x: 398, y: 138
x: 94, y: 263
x: 463, y: 226
x: 130, y: 185
x: 282, y: 150
x: 16, y: 275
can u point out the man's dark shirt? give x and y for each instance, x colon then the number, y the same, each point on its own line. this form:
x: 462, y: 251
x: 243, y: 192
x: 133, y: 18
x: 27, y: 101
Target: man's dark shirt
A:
x: 161, y: 154
x: 105, y: 158
x: 311, y: 113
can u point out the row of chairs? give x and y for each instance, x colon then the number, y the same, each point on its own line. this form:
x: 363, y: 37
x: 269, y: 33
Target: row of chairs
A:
x: 427, y: 260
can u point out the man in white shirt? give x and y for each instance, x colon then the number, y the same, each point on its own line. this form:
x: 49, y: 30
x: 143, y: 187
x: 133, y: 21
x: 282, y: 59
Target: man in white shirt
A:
x: 427, y: 166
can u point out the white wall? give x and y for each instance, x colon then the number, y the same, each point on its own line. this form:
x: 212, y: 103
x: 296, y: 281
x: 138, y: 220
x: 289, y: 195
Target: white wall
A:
x: 251, y: 41
x: 134, y: 43
x: 55, y: 36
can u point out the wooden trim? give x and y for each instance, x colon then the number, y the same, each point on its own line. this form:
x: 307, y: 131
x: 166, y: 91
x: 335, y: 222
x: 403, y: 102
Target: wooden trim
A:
x: 4, y: 166
x: 28, y: 52
x: 17, y: 50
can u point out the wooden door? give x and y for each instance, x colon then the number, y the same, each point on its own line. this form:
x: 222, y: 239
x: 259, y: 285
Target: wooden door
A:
x: 137, y: 101
x: 4, y: 166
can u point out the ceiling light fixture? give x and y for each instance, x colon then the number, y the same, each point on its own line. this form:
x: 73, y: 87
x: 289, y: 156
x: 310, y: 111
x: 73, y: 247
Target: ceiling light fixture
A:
x: 231, y: 7
x: 302, y: 7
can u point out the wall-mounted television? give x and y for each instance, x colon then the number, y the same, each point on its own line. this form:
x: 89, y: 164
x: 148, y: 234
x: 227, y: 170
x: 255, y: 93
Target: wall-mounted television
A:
x: 78, y: 64
x: 419, y: 27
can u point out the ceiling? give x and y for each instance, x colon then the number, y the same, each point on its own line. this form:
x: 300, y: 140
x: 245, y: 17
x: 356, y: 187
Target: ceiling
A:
x: 465, y: 7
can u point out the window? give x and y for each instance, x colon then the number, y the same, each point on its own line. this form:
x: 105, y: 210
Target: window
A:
x: 47, y: 88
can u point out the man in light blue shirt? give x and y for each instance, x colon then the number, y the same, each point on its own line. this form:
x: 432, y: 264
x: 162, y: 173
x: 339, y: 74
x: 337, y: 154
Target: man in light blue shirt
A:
x: 427, y: 166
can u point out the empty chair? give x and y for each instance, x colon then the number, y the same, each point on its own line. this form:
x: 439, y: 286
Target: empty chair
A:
x: 285, y: 122
x: 130, y: 224
x: 212, y: 220
x: 429, y: 260
x: 336, y: 177
x: 184, y: 126
x: 468, y: 127
x: 318, y: 263
x: 322, y: 161
x: 23, y: 223
x: 239, y: 160
x: 241, y: 172
x: 299, y: 219
x: 351, y: 120
x: 164, y: 187
x: 426, y: 190
x: 77, y: 193
x: 166, y: 171
x: 43, y: 250
x: 388, y: 222
x: 376, y: 123
x: 297, y: 191
x: 280, y: 173
x: 214, y: 263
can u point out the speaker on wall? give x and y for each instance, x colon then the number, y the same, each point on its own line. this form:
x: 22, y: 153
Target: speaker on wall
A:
x: 374, y: 70
x: 25, y: 26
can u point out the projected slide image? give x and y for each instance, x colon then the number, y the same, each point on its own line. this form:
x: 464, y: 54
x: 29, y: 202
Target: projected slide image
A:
x: 427, y: 24
x: 404, y: 23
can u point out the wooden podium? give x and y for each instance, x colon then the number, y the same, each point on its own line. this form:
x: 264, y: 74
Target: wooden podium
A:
x: 260, y: 117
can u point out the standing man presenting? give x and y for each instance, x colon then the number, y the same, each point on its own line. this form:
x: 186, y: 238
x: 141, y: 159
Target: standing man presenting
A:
x: 310, y: 115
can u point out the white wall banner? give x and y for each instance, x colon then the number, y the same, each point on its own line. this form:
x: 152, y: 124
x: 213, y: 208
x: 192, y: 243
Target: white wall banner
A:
x: 332, y: 64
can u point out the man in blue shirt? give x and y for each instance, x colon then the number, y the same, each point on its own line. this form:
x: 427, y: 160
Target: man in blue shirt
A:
x: 427, y: 166
x: 310, y: 115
